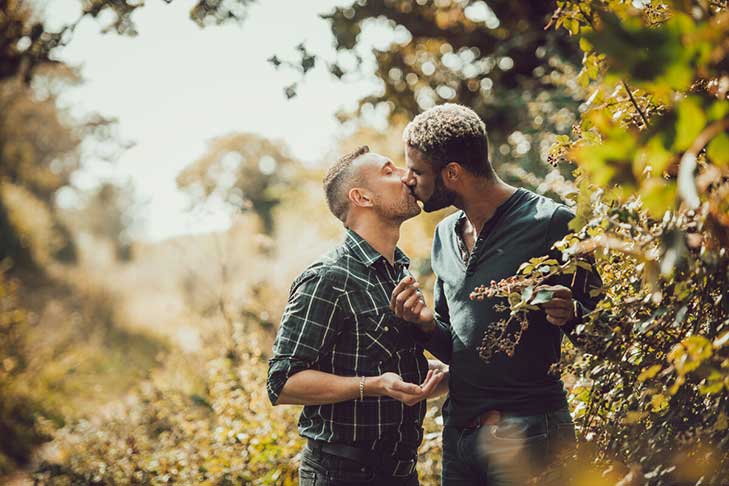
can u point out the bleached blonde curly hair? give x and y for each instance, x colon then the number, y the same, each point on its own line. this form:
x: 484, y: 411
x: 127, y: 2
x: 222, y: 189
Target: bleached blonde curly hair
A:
x: 451, y: 133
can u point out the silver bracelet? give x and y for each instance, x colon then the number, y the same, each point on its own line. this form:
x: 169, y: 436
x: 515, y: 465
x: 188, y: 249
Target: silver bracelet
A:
x: 361, y: 387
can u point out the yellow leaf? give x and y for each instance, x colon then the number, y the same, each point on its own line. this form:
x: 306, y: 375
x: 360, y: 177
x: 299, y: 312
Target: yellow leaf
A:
x: 713, y: 384
x: 688, y: 355
x: 658, y: 402
x: 649, y: 372
x: 718, y: 150
x: 633, y: 417
x: 585, y: 44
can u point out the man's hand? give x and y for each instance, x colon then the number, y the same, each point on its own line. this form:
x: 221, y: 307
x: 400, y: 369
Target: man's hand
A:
x: 407, y: 303
x: 560, y: 309
x: 442, y: 388
x: 392, y: 385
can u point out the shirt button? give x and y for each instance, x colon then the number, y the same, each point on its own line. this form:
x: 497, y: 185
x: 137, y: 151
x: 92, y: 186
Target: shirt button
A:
x: 386, y: 328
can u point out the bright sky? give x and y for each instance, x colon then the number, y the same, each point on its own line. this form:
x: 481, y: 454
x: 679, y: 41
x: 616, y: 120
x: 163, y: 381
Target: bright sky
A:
x: 176, y: 86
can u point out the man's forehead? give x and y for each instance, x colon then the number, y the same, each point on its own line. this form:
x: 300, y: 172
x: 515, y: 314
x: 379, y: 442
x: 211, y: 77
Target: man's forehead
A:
x: 415, y: 157
x: 370, y: 161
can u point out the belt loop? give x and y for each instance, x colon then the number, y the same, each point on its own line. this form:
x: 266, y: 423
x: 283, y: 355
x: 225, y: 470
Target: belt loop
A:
x: 315, y: 448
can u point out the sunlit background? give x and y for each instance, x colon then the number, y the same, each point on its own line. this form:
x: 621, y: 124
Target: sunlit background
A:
x: 160, y: 188
x: 175, y: 86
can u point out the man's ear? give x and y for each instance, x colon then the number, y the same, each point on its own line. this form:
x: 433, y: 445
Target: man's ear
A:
x: 360, y: 197
x: 452, y: 172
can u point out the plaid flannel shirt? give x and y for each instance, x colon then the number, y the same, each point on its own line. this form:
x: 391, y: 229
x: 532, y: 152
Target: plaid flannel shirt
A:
x: 338, y: 320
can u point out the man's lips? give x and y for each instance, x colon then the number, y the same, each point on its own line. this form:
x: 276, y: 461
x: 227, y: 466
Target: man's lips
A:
x: 416, y: 199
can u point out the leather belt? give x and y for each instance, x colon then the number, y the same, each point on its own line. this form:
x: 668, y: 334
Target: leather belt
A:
x: 489, y: 417
x: 393, y: 466
x: 363, y: 456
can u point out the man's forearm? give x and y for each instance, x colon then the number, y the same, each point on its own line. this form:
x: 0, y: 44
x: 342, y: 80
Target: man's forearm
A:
x: 313, y: 387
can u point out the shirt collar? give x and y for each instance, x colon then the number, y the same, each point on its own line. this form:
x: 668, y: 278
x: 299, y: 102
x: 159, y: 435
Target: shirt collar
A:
x: 364, y: 252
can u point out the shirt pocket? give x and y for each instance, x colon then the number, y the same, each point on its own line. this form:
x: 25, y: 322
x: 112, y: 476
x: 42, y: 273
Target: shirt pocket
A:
x: 377, y: 335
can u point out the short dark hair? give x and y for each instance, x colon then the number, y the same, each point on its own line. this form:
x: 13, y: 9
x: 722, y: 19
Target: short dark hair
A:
x: 339, y: 180
x: 451, y: 133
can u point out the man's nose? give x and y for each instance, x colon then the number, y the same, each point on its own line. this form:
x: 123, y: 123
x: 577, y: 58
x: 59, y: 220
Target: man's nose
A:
x: 408, y: 178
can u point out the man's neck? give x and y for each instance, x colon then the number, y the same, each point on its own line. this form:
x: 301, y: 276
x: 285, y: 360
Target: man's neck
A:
x: 381, y: 235
x: 481, y: 198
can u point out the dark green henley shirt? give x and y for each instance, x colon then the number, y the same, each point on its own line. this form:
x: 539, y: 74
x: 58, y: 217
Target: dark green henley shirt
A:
x: 523, y: 227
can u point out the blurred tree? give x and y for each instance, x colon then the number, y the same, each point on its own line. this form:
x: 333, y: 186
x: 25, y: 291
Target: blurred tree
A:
x: 39, y: 149
x: 495, y: 57
x: 106, y: 212
x: 24, y: 44
x: 246, y: 171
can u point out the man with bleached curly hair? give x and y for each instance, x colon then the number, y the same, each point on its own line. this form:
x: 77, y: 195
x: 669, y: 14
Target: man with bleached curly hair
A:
x: 506, y: 418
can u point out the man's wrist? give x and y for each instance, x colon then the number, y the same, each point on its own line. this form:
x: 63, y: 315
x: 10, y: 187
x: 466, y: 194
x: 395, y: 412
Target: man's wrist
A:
x: 372, y: 386
x: 428, y: 327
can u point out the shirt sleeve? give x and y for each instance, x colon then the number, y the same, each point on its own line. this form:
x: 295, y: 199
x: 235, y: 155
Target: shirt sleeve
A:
x: 307, y: 331
x: 583, y: 283
x: 439, y: 341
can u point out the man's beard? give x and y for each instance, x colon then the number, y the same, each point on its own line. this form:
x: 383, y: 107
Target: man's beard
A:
x: 398, y: 212
x: 441, y: 197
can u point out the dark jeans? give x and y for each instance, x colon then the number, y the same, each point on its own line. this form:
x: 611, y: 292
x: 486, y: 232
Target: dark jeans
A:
x: 321, y: 469
x: 516, y: 450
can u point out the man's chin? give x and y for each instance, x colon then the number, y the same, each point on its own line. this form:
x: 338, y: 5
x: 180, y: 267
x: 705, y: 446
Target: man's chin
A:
x: 429, y: 207
x: 414, y: 211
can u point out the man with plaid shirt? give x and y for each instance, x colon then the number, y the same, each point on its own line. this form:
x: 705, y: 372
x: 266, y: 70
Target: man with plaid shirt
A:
x: 342, y: 353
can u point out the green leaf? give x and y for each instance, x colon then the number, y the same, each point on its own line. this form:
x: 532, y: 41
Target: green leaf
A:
x: 653, y: 155
x: 691, y: 121
x: 718, y: 150
x: 718, y: 110
x: 525, y: 268
x: 542, y: 296
x: 658, y: 195
x: 526, y: 294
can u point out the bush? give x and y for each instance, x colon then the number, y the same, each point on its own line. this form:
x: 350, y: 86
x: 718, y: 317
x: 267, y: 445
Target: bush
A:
x: 226, y: 433
x: 19, y: 412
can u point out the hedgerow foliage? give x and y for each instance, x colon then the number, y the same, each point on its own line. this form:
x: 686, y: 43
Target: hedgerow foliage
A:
x: 19, y: 427
x: 224, y: 432
x: 649, y: 384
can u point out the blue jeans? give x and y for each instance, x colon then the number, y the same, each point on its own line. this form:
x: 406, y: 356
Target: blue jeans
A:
x: 320, y: 469
x: 519, y: 448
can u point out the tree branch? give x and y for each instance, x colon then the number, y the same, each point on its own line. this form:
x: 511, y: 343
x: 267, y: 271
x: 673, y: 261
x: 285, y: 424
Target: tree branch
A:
x: 635, y: 104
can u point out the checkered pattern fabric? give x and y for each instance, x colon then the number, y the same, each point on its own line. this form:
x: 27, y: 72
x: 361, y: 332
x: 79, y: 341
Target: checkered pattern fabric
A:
x: 338, y: 320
